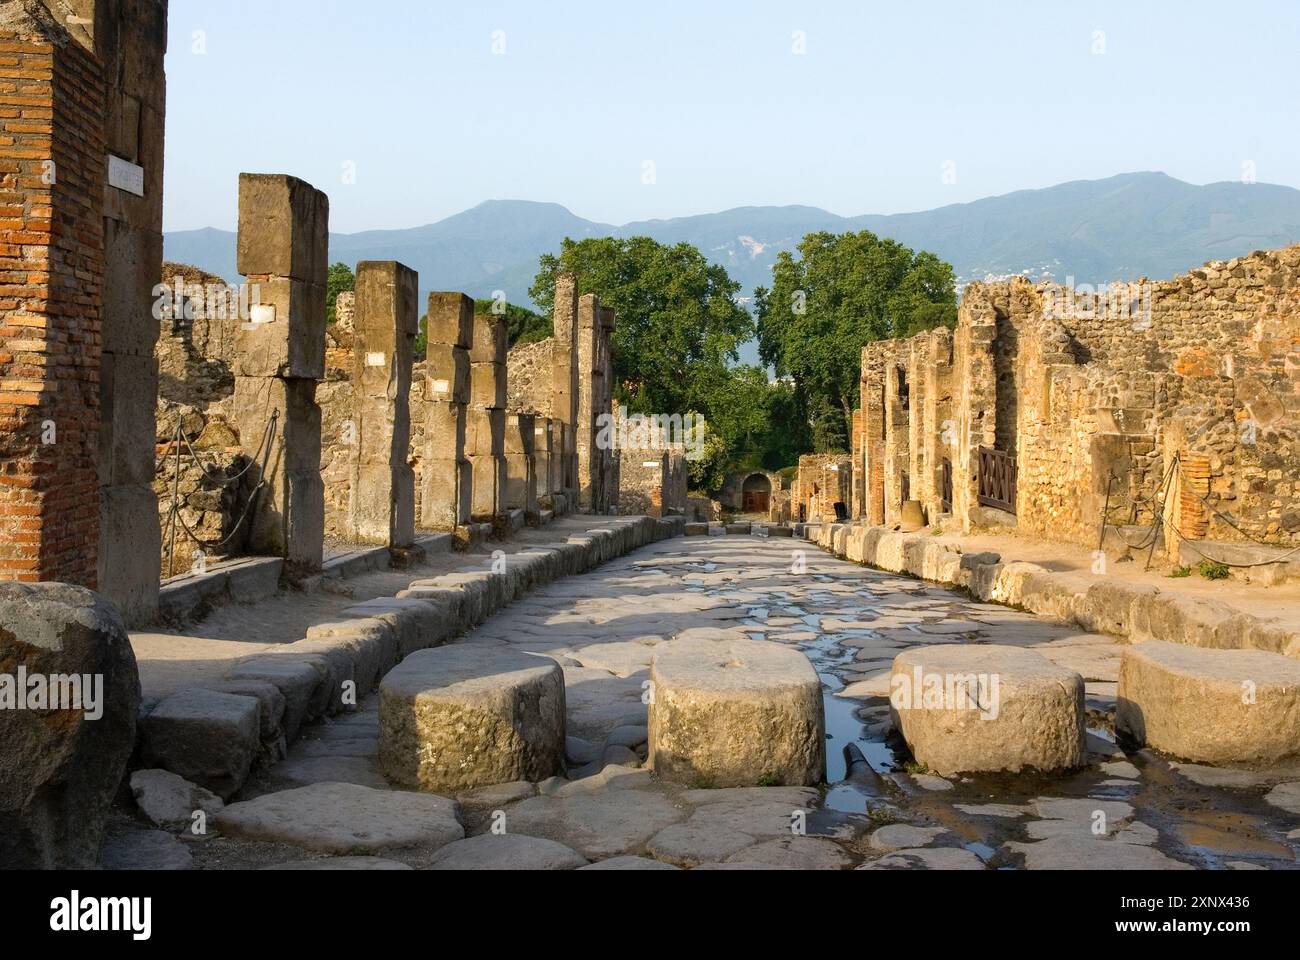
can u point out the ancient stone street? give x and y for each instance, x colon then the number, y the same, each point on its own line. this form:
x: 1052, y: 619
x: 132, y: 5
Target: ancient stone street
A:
x: 328, y: 802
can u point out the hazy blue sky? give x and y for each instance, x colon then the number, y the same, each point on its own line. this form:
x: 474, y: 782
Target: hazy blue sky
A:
x: 413, y: 95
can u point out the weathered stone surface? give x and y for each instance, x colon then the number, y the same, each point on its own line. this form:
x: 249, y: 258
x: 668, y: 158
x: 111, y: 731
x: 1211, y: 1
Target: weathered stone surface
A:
x: 629, y: 863
x: 342, y: 863
x: 170, y: 801
x: 1210, y: 706
x: 470, y: 715
x: 933, y: 858
x: 147, y: 850
x: 598, y: 824
x: 208, y: 738
x: 734, y: 712
x: 1081, y: 852
x: 1285, y: 796
x: 343, y: 818
x: 510, y: 851
x: 800, y: 853
x: 59, y: 771
x: 900, y: 836
x: 987, y: 708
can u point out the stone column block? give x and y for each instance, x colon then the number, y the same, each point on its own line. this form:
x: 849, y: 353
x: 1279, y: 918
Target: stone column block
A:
x: 283, y: 228
x: 285, y: 334
x: 450, y: 320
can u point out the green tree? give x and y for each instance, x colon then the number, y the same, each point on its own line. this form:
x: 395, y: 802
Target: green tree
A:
x: 679, y: 324
x: 843, y: 291
x: 340, y: 279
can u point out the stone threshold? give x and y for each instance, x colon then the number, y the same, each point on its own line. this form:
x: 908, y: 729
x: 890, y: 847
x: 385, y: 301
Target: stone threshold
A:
x: 1136, y: 612
x: 216, y: 734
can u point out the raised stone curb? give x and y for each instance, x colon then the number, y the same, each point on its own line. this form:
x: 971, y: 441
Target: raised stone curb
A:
x: 338, y: 663
x: 1138, y: 612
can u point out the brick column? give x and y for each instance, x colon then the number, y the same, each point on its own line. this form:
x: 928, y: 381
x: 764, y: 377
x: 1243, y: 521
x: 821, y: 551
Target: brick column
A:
x: 445, y: 473
x: 564, y: 393
x: 280, y: 356
x: 52, y: 185
x: 486, y: 429
x: 521, y: 464
x: 382, y: 508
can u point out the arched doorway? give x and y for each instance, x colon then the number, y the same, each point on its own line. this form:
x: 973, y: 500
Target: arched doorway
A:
x: 756, y: 494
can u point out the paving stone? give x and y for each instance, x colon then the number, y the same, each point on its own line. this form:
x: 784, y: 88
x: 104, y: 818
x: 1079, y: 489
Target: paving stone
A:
x: 802, y: 853
x: 1092, y: 853
x: 170, y: 801
x: 1285, y: 796
x: 599, y: 824
x: 935, y: 858
x: 208, y: 738
x: 342, y: 863
x: 146, y: 850
x: 900, y: 836
x: 506, y: 852
x: 629, y: 863
x: 344, y: 818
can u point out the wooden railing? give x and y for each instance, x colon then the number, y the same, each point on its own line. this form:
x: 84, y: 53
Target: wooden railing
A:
x: 997, y: 479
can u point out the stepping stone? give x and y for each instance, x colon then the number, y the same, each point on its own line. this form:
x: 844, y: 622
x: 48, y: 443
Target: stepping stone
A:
x: 799, y: 853
x: 1210, y: 706
x: 343, y: 818
x: 1093, y: 853
x: 506, y: 852
x: 730, y: 712
x: 470, y: 715
x: 988, y: 708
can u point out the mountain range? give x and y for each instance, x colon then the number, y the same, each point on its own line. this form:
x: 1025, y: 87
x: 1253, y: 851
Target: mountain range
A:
x: 1119, y: 228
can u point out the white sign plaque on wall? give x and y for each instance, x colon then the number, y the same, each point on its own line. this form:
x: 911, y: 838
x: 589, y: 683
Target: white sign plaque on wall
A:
x: 125, y: 175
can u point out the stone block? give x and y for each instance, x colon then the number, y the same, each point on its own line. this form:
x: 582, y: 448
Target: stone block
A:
x: 445, y: 428
x: 485, y: 432
x: 128, y: 392
x: 130, y: 541
x: 732, y: 712
x: 305, y: 694
x: 488, y: 385
x: 447, y: 494
x: 131, y: 258
x: 286, y: 337
x: 447, y: 374
x: 208, y: 738
x: 491, y: 340
x: 488, y: 483
x: 283, y: 228
x: 521, y: 433
x: 520, y: 483
x: 988, y: 709
x: 415, y: 624
x: 450, y: 320
x: 60, y: 770
x: 471, y: 715
x: 1225, y: 707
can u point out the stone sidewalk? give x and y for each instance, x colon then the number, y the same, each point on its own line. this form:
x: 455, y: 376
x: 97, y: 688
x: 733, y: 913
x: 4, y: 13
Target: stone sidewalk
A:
x: 327, y: 807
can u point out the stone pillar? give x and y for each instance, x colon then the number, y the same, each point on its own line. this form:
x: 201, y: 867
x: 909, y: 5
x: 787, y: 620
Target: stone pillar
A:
x: 445, y: 473
x: 543, y: 463
x: 131, y: 39
x: 53, y: 152
x: 564, y: 394
x: 873, y: 433
x: 280, y: 355
x: 486, y: 430
x: 590, y: 481
x: 610, y: 463
x: 521, y: 464
x: 382, y: 508
x: 975, y: 393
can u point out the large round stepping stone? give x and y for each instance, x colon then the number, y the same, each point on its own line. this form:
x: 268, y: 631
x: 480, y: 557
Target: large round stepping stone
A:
x: 1210, y: 706
x: 734, y: 712
x: 471, y: 715
x: 987, y: 708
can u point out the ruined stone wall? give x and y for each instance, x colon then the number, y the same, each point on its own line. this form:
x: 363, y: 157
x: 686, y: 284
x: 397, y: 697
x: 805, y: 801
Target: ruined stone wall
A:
x: 823, y: 480
x: 1100, y: 396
